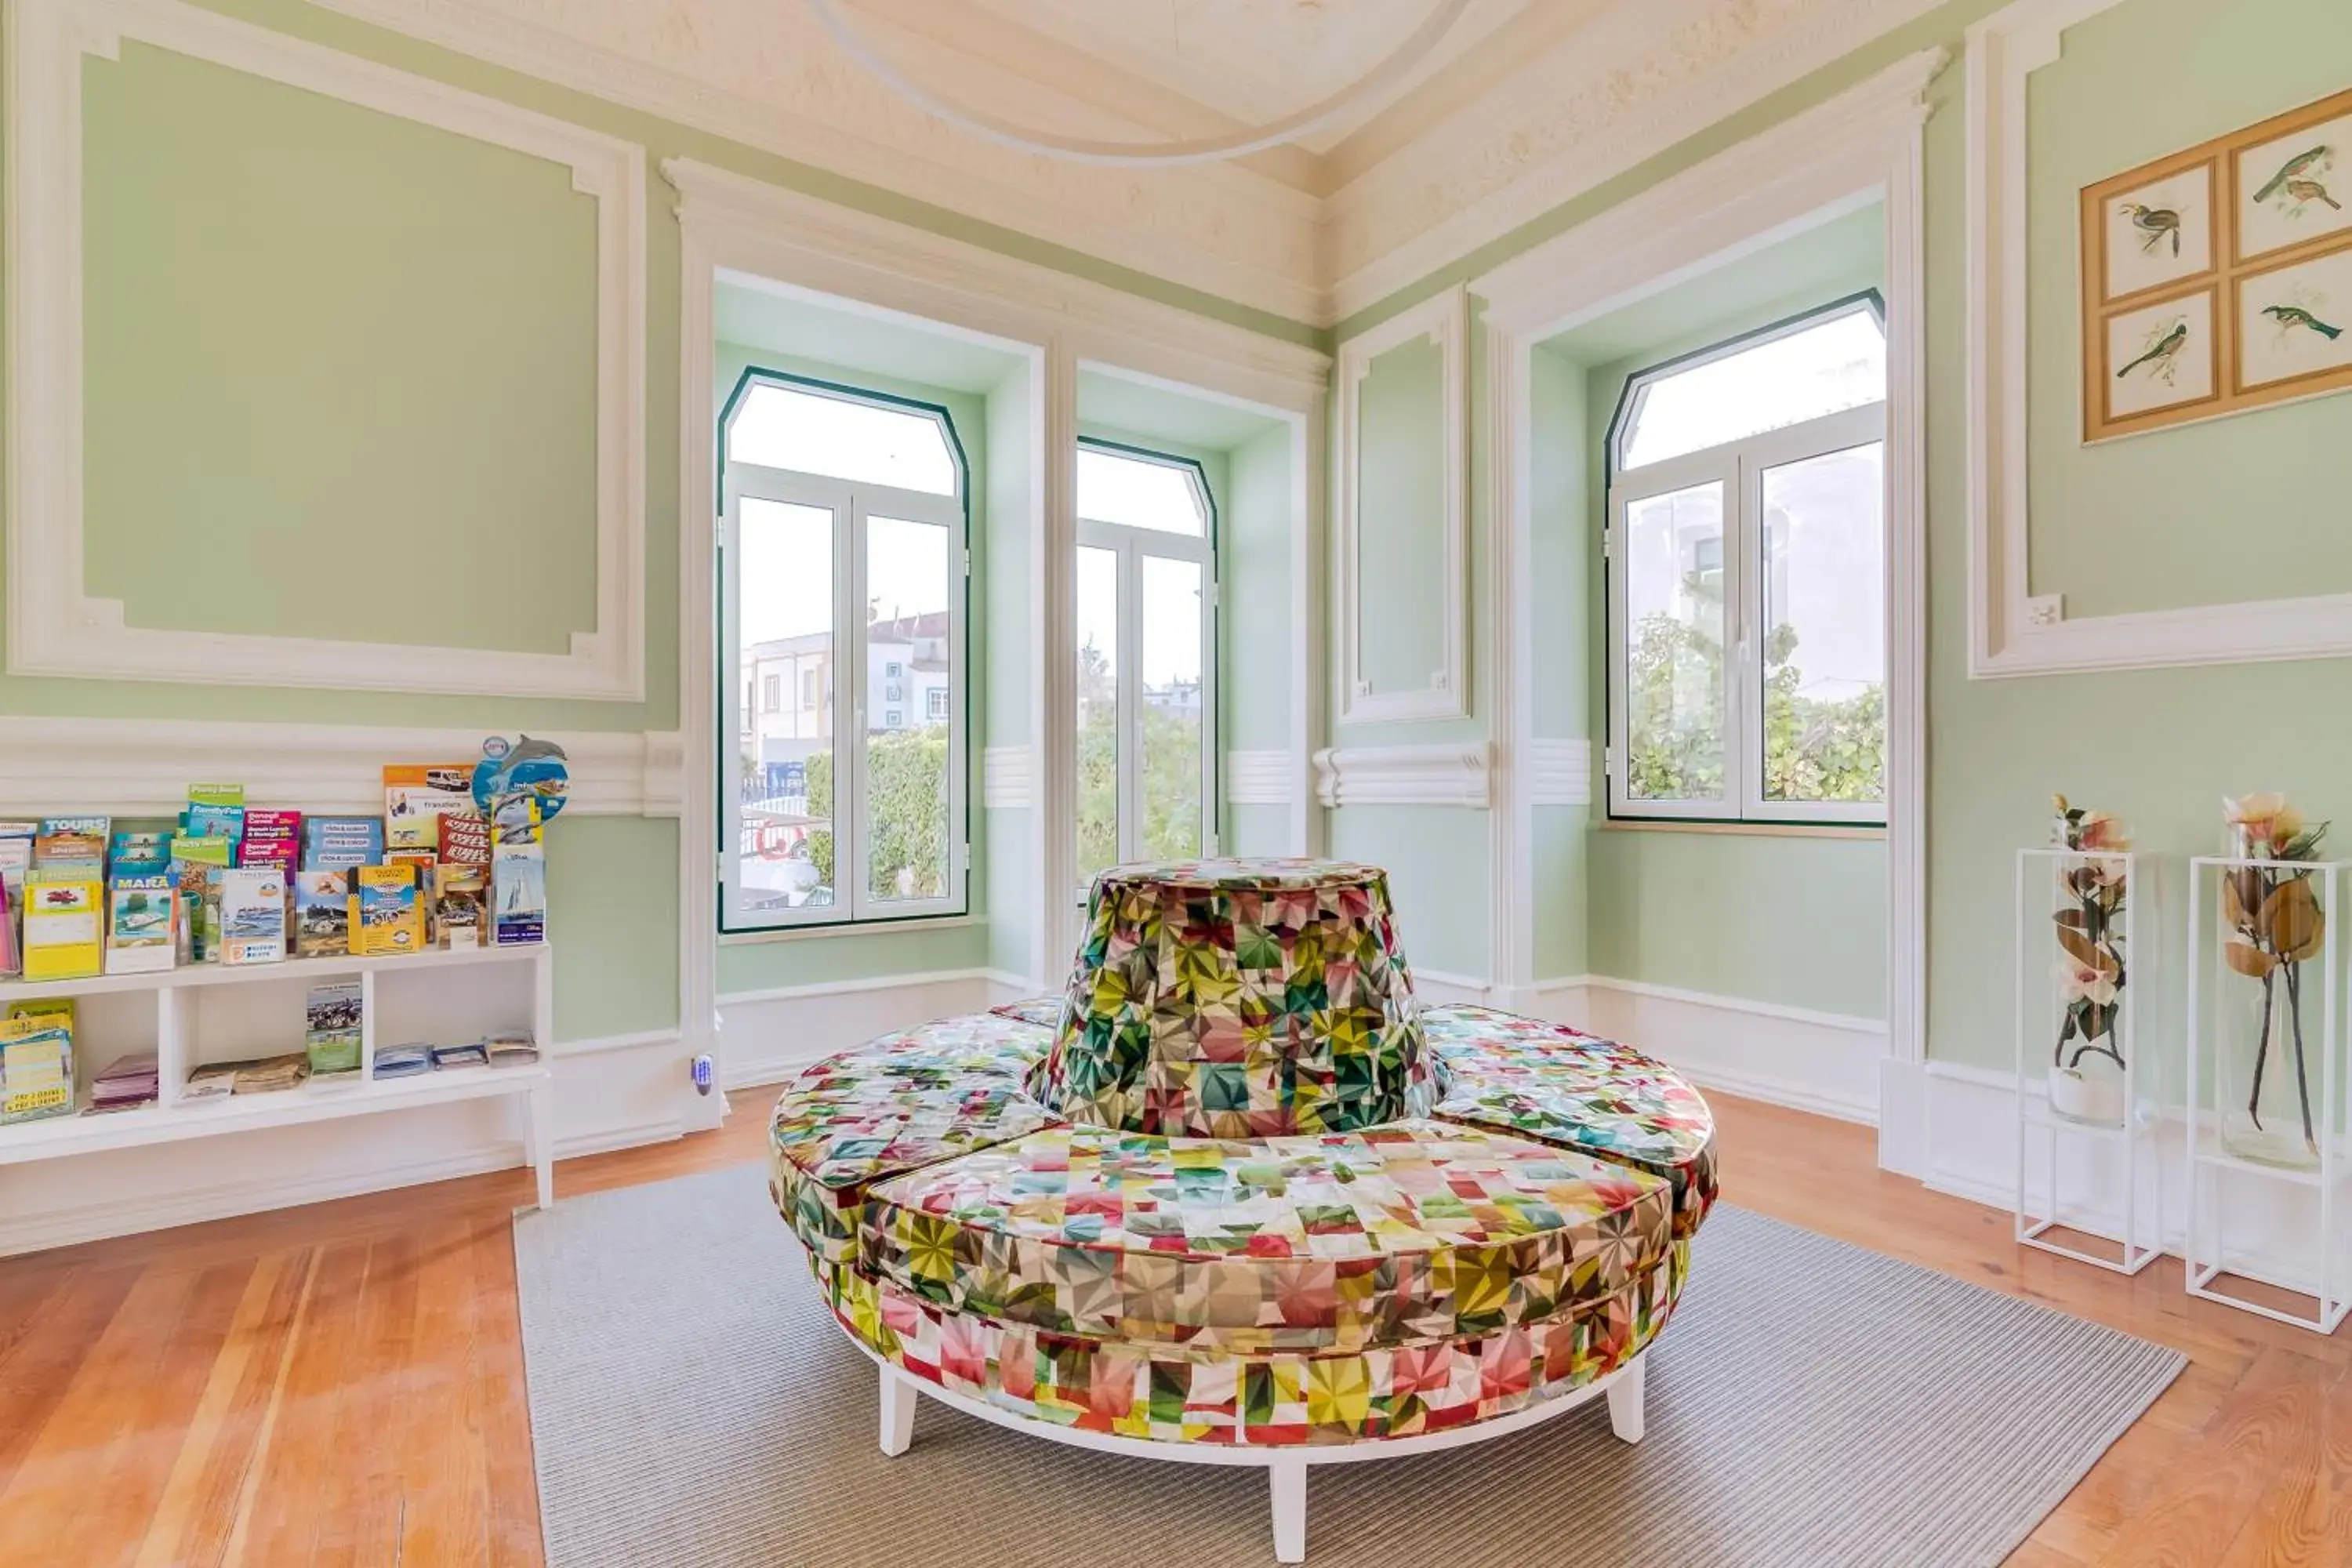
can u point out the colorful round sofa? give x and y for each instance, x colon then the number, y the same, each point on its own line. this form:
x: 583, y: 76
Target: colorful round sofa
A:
x: 1236, y: 1198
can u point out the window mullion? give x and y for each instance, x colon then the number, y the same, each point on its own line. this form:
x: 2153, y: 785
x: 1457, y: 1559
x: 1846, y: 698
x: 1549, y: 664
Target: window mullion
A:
x: 1743, y: 684
x: 849, y: 717
x: 1130, y: 749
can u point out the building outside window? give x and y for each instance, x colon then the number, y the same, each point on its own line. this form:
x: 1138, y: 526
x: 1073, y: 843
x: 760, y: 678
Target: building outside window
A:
x: 1746, y: 550
x: 1147, y: 670
x: 842, y: 569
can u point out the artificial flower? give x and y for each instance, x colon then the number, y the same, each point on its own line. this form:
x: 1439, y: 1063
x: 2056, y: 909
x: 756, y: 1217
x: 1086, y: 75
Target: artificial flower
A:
x: 2080, y: 982
x: 2104, y: 831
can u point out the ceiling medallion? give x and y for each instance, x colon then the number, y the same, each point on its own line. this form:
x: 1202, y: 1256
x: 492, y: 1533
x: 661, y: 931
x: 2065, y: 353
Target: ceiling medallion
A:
x: 1198, y: 150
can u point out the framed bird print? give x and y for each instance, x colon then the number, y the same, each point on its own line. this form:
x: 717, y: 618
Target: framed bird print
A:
x: 2159, y: 358
x: 2219, y: 279
x: 2296, y: 187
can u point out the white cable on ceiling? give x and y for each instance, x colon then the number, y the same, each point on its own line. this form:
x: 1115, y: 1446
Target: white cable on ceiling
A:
x: 1201, y: 149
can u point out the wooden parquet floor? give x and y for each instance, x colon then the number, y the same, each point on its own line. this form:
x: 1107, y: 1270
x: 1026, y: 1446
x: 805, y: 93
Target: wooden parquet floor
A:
x: 342, y: 1383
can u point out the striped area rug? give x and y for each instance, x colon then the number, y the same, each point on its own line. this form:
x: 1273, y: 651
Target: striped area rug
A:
x: 1813, y: 1403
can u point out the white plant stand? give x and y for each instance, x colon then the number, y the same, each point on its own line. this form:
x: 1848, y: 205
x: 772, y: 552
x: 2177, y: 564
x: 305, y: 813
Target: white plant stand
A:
x: 2211, y: 1166
x: 2129, y: 1145
x: 187, y: 1034
x: 1286, y: 1466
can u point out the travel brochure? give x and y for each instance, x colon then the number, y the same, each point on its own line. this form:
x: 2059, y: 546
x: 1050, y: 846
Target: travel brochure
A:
x: 456, y: 861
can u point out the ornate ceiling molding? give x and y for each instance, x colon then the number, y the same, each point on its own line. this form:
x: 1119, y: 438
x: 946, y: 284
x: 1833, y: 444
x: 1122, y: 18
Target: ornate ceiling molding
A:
x: 1640, y: 77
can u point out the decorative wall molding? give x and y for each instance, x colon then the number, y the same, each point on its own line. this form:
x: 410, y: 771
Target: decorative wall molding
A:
x: 55, y: 627
x: 1559, y: 773
x: 1005, y: 774
x: 1261, y: 778
x: 2011, y: 629
x: 143, y: 767
x: 1405, y: 775
x: 1441, y: 320
x: 1608, y: 98
x: 1861, y: 147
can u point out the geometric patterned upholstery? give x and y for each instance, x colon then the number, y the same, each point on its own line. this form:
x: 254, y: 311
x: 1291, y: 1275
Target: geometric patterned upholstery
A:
x: 1342, y: 1242
x: 1575, y: 1090
x: 1275, y: 1398
x: 899, y: 1103
x: 1238, y: 999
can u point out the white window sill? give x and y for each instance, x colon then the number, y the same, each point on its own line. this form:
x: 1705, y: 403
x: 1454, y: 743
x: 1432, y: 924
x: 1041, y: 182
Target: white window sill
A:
x: 1746, y: 830
x: 838, y: 929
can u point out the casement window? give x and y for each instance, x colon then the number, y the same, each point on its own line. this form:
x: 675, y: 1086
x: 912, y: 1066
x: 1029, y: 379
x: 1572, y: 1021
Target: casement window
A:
x: 1746, y: 550
x: 842, y: 552
x: 1147, y: 634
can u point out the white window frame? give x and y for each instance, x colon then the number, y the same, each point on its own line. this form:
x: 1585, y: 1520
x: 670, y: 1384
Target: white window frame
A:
x: 853, y: 507
x: 1738, y: 466
x: 1129, y: 544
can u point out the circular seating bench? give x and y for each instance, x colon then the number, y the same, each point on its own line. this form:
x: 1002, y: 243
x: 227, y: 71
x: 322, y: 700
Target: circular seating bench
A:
x: 1236, y: 1198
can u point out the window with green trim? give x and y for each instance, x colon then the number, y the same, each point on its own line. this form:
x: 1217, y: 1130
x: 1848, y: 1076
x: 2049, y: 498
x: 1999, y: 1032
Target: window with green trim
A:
x: 843, y: 565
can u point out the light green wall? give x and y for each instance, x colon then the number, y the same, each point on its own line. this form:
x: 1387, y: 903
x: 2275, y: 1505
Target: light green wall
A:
x: 2117, y: 526
x: 2184, y: 516
x: 252, y: 338
x: 1400, y: 496
x: 1007, y: 654
x: 1257, y: 624
x: 1436, y: 860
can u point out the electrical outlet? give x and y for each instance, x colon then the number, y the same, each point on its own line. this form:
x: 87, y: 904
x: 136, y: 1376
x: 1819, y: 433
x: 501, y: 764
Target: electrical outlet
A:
x: 2045, y: 609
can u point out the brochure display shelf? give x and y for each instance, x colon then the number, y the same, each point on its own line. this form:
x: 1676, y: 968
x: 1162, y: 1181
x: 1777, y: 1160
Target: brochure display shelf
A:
x: 208, y: 1013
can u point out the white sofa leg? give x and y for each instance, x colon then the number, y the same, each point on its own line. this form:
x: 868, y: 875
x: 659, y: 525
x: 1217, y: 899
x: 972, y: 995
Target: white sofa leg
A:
x: 897, y: 1411
x: 1287, y: 1478
x: 1625, y: 1400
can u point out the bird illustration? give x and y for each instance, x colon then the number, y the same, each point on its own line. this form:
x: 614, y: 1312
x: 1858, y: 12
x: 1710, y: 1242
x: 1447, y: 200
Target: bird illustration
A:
x: 2160, y: 353
x: 2312, y: 191
x: 2290, y: 168
x: 2289, y: 317
x: 2154, y: 223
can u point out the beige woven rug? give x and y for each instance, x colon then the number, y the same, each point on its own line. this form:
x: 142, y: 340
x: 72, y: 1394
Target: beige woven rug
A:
x: 692, y: 1405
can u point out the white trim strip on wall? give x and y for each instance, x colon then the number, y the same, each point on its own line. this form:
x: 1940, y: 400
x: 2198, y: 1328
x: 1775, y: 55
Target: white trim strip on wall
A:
x: 143, y: 767
x: 1005, y: 772
x: 1405, y: 775
x: 1260, y: 778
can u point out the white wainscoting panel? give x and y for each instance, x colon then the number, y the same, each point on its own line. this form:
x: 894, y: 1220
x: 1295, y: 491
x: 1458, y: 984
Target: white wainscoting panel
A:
x: 143, y: 767
x: 1405, y: 775
x: 767, y: 1036
x: 609, y: 1094
x: 1559, y: 773
x: 55, y: 627
x: 1261, y: 778
x: 1972, y: 1131
x: 1004, y: 777
x: 1826, y: 1063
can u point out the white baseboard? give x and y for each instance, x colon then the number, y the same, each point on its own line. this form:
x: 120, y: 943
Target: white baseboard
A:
x: 610, y: 1093
x: 1971, y: 1148
x: 1826, y: 1063
x: 767, y: 1036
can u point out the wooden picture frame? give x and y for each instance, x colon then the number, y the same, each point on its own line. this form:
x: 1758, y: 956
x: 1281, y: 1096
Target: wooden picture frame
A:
x: 2245, y: 242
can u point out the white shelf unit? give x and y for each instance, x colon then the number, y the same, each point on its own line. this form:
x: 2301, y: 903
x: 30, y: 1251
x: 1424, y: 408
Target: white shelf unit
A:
x: 2210, y: 1164
x: 2130, y: 1144
x: 206, y: 1012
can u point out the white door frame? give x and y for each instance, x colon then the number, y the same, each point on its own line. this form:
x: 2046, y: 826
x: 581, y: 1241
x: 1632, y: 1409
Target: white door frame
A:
x: 1861, y: 147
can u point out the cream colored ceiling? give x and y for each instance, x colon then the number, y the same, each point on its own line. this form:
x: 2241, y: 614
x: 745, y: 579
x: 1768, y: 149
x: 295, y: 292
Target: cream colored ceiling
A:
x: 1526, y: 105
x: 1255, y: 60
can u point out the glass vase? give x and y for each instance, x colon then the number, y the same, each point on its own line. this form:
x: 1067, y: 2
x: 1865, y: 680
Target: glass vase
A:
x: 2267, y: 1073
